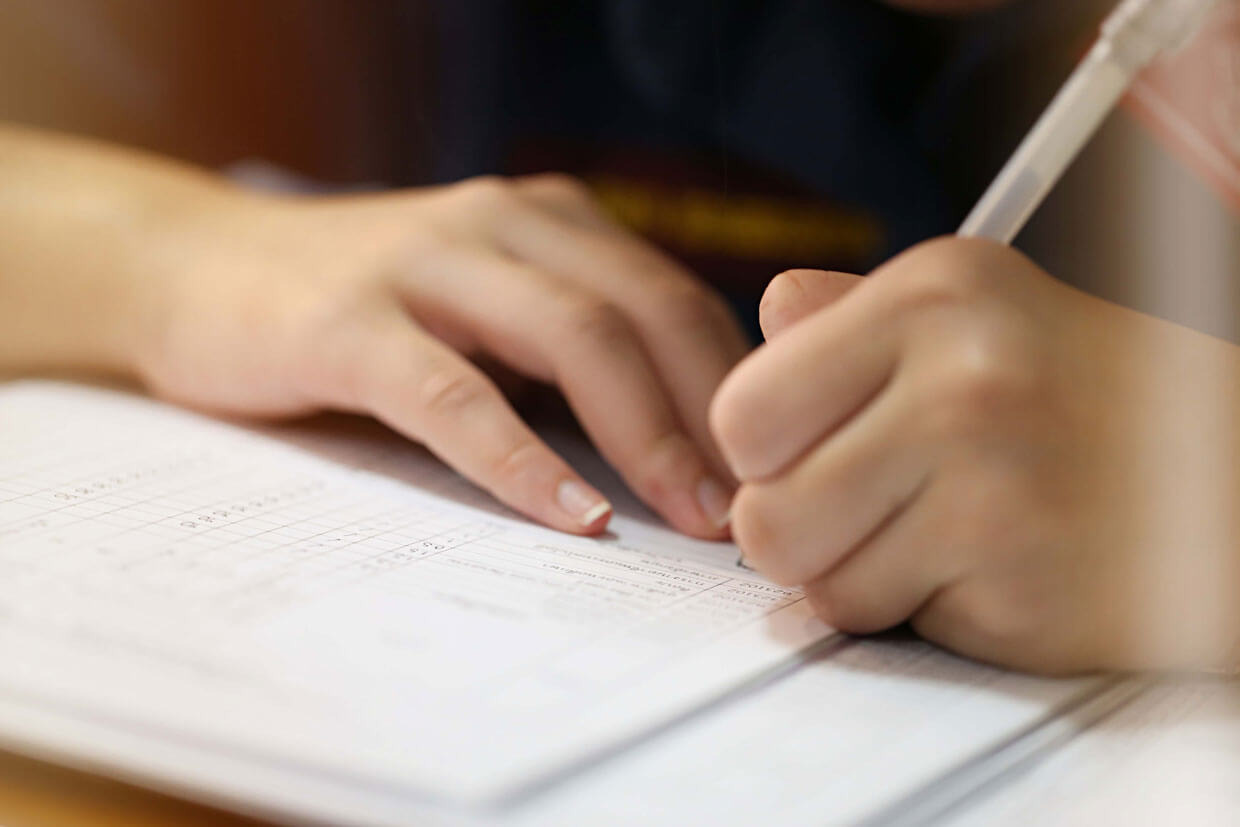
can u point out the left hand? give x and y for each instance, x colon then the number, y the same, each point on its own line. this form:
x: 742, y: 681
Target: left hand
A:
x: 1033, y: 476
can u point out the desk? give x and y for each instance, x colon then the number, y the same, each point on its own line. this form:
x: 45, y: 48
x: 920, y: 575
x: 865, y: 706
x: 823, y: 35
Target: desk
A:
x: 35, y: 794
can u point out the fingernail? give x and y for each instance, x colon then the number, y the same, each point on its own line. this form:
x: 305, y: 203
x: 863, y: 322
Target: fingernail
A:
x: 584, y: 504
x: 716, y: 501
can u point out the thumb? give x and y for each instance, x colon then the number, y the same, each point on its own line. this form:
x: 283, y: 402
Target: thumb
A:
x: 793, y: 295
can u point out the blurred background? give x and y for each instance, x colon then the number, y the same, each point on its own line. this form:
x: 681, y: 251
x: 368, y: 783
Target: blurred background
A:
x: 746, y: 136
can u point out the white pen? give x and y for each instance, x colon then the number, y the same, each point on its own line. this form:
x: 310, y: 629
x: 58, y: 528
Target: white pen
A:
x: 1132, y: 36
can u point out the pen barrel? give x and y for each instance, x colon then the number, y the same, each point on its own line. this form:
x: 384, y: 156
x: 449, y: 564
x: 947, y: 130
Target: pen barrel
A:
x: 1066, y: 126
x: 1132, y: 36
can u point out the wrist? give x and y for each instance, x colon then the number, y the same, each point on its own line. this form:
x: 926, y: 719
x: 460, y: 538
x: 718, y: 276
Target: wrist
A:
x: 190, y: 251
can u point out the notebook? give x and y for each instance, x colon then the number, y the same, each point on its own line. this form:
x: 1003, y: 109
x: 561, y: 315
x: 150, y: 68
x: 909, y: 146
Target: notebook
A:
x: 169, y: 573
x: 319, y: 620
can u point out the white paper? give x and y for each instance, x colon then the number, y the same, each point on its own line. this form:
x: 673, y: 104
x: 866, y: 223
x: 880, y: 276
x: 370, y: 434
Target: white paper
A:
x: 843, y: 740
x: 840, y: 740
x: 1170, y: 756
x: 190, y: 581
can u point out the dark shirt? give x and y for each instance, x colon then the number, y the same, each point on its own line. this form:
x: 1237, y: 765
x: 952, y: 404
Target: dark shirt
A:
x: 747, y: 136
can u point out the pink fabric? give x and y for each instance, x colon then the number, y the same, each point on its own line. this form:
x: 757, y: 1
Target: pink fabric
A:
x: 1191, y: 101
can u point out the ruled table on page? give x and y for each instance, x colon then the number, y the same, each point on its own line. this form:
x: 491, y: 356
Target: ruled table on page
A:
x: 165, y: 571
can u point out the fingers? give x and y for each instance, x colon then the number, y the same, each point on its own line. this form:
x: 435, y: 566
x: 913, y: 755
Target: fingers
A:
x: 798, y: 527
x: 559, y: 333
x: 420, y: 387
x: 789, y: 396
x: 891, y: 575
x: 797, y: 294
x: 691, y: 336
x: 566, y: 197
x: 978, y: 621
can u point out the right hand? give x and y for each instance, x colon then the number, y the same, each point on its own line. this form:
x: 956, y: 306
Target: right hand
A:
x: 376, y: 304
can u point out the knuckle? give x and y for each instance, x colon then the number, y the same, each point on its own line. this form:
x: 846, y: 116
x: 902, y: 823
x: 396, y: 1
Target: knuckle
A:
x: 931, y: 290
x: 978, y: 391
x: 780, y: 294
x: 789, y: 286
x: 519, y: 463
x: 487, y: 192
x: 592, y: 317
x: 943, y: 273
x: 560, y: 186
x: 687, y: 303
x: 449, y: 392
x: 953, y: 255
x: 663, y: 463
x: 425, y: 247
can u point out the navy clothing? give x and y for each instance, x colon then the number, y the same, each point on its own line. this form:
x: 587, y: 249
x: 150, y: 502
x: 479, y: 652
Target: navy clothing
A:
x: 747, y: 116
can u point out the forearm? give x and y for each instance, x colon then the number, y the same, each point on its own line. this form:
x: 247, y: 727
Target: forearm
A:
x: 87, y: 234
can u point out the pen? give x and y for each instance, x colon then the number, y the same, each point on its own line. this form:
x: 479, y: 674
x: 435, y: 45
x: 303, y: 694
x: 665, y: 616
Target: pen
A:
x: 1132, y: 36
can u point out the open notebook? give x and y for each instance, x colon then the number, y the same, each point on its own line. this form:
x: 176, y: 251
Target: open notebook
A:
x: 325, y: 622
x: 166, y: 571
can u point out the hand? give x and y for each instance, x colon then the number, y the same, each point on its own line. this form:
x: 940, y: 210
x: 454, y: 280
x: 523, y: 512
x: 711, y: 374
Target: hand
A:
x: 375, y: 304
x: 1033, y: 476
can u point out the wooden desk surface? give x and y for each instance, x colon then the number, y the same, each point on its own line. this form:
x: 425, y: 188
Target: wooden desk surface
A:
x: 36, y: 794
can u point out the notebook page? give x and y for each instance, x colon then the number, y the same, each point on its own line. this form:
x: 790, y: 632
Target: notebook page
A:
x: 840, y: 740
x: 167, y: 572
x: 847, y: 739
